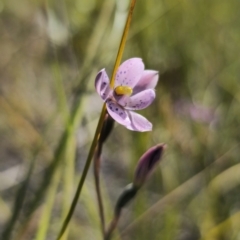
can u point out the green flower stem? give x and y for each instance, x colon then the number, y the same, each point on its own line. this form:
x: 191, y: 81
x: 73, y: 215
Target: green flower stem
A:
x: 84, y: 174
x: 122, y: 43
x: 111, y: 227
x: 100, y: 124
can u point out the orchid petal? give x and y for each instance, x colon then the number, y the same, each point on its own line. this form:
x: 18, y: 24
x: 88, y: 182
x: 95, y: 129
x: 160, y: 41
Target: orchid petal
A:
x: 141, y: 100
x: 102, y: 84
x: 117, y: 112
x: 148, y: 80
x: 121, y: 100
x: 138, y: 123
x: 129, y: 72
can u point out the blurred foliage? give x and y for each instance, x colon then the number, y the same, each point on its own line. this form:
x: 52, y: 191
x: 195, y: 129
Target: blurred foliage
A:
x: 50, y: 54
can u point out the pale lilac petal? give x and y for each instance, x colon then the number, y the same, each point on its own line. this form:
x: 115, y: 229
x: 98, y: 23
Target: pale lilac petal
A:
x: 117, y: 112
x: 138, y: 123
x: 102, y: 84
x: 148, y: 80
x: 129, y: 72
x: 141, y: 100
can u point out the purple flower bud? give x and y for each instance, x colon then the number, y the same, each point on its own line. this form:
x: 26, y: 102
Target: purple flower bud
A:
x: 147, y: 164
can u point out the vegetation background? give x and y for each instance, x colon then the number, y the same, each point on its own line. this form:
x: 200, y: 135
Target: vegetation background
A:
x: 50, y: 54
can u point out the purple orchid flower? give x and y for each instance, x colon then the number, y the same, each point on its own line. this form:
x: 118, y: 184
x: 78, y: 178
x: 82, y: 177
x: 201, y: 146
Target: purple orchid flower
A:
x: 133, y: 90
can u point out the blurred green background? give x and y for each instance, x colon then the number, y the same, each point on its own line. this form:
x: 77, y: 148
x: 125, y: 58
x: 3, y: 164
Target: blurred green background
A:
x: 50, y: 52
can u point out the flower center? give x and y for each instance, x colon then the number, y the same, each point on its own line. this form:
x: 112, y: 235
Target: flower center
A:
x: 123, y: 90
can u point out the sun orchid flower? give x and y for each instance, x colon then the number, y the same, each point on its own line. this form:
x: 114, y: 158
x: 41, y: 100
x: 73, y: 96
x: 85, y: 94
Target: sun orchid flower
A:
x: 133, y: 90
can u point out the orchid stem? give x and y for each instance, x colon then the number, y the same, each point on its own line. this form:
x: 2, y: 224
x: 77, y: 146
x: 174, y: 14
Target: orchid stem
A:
x: 99, y: 126
x: 123, y: 42
x: 96, y: 170
x: 84, y: 174
x: 111, y: 227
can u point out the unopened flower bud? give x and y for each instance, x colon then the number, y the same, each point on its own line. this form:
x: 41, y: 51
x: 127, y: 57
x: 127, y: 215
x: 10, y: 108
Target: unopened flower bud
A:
x: 127, y: 195
x: 107, y: 128
x: 147, y: 164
